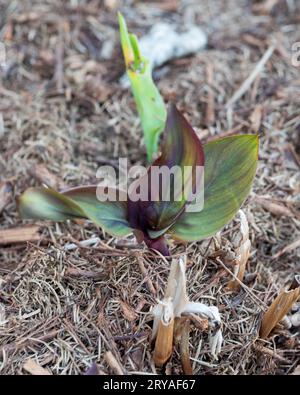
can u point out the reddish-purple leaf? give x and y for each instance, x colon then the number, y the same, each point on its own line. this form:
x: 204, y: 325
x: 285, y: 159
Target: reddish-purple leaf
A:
x: 167, y: 197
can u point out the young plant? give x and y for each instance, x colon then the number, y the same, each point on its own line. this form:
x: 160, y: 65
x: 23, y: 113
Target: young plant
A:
x: 150, y: 105
x: 230, y: 166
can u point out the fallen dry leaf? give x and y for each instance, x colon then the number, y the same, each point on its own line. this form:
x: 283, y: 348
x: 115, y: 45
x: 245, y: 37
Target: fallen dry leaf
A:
x: 279, y: 308
x: 35, y: 369
x: 256, y: 117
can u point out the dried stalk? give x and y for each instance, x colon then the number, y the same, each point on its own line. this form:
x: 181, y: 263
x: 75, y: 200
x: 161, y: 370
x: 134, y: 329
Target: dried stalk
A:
x: 164, y: 342
x: 174, y: 305
x: 184, y: 349
x: 242, y: 252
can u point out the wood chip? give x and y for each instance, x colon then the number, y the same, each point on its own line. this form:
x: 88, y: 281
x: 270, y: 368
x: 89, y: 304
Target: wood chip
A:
x: 113, y: 363
x: 20, y: 234
x: 128, y: 312
x: 33, y: 368
x: 79, y: 273
x: 166, y: 5
x: 44, y: 176
x: 274, y: 207
x: 256, y: 117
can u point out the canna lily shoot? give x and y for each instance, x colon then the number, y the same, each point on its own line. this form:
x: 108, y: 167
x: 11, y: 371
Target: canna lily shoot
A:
x: 149, y: 103
x: 229, y: 169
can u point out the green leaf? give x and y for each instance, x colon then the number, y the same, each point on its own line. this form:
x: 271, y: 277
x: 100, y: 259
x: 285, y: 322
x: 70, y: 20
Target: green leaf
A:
x: 46, y: 203
x: 81, y: 202
x: 230, y: 166
x: 150, y: 105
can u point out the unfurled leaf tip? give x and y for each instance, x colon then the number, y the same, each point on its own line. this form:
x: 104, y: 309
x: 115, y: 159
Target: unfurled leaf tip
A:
x: 125, y: 42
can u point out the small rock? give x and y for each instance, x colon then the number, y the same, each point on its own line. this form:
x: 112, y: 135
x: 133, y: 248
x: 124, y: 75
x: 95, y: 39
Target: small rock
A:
x: 107, y: 49
x: 164, y: 43
x: 295, y: 319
